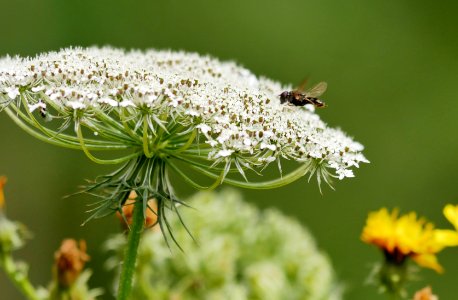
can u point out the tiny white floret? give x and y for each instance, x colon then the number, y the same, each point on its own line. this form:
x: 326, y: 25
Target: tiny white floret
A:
x: 12, y: 92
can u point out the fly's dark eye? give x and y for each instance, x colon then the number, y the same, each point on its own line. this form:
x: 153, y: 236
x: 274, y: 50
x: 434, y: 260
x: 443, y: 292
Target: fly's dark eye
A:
x: 283, y: 97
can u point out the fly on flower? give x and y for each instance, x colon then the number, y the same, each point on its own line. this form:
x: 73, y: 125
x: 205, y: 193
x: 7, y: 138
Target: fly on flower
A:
x: 299, y: 97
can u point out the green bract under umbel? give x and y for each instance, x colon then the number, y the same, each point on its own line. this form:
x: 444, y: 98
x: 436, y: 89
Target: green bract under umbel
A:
x: 239, y: 253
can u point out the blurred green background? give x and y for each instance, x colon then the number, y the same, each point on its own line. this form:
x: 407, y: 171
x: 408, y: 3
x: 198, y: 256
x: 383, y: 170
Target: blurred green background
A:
x: 392, y: 70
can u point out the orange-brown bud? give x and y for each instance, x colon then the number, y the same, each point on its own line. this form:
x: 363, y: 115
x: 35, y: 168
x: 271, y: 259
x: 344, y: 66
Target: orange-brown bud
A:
x: 128, y: 210
x: 3, y: 181
x: 425, y: 294
x: 69, y: 261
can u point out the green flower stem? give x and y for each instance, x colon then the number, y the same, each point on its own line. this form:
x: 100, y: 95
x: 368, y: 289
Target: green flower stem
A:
x: 193, y: 161
x: 115, y: 125
x: 271, y: 184
x: 108, y: 133
x: 130, y: 255
x: 393, y: 277
x: 125, y: 124
x: 116, y: 134
x: 192, y: 182
x: 18, y: 277
x: 189, y: 142
x: 55, y: 138
x: 145, y: 139
x: 79, y: 133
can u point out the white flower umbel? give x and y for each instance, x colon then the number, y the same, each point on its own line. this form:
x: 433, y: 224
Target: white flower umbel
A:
x: 170, y: 111
x: 163, y: 112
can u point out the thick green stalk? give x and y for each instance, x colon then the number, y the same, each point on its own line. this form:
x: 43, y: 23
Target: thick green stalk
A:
x: 130, y: 255
x: 18, y: 277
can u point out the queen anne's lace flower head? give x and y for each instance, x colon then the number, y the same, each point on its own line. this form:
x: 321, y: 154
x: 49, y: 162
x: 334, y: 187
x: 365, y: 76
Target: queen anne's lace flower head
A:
x: 176, y: 110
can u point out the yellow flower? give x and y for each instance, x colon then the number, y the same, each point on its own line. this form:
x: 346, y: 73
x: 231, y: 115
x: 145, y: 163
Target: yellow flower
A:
x: 409, y: 236
x: 2, y: 195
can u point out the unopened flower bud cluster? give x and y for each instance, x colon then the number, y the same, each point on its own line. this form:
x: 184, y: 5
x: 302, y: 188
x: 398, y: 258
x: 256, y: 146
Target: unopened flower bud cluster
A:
x: 242, y: 253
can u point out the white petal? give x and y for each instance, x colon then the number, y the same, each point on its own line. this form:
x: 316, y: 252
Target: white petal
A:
x: 204, y: 128
x: 126, y: 103
x: 32, y: 107
x: 224, y: 153
x: 108, y: 101
x: 12, y: 92
x: 76, y: 104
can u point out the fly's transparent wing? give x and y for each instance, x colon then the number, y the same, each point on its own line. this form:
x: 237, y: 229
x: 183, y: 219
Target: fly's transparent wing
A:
x: 301, y: 87
x: 317, y: 90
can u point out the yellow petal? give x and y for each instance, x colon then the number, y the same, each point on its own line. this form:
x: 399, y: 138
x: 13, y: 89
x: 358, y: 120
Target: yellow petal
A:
x: 2, y: 195
x: 451, y: 213
x: 428, y: 261
x: 444, y: 238
x: 379, y: 229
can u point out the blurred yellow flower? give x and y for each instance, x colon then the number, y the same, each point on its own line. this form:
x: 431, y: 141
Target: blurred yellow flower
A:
x: 406, y: 236
x: 451, y: 213
x: 2, y: 195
